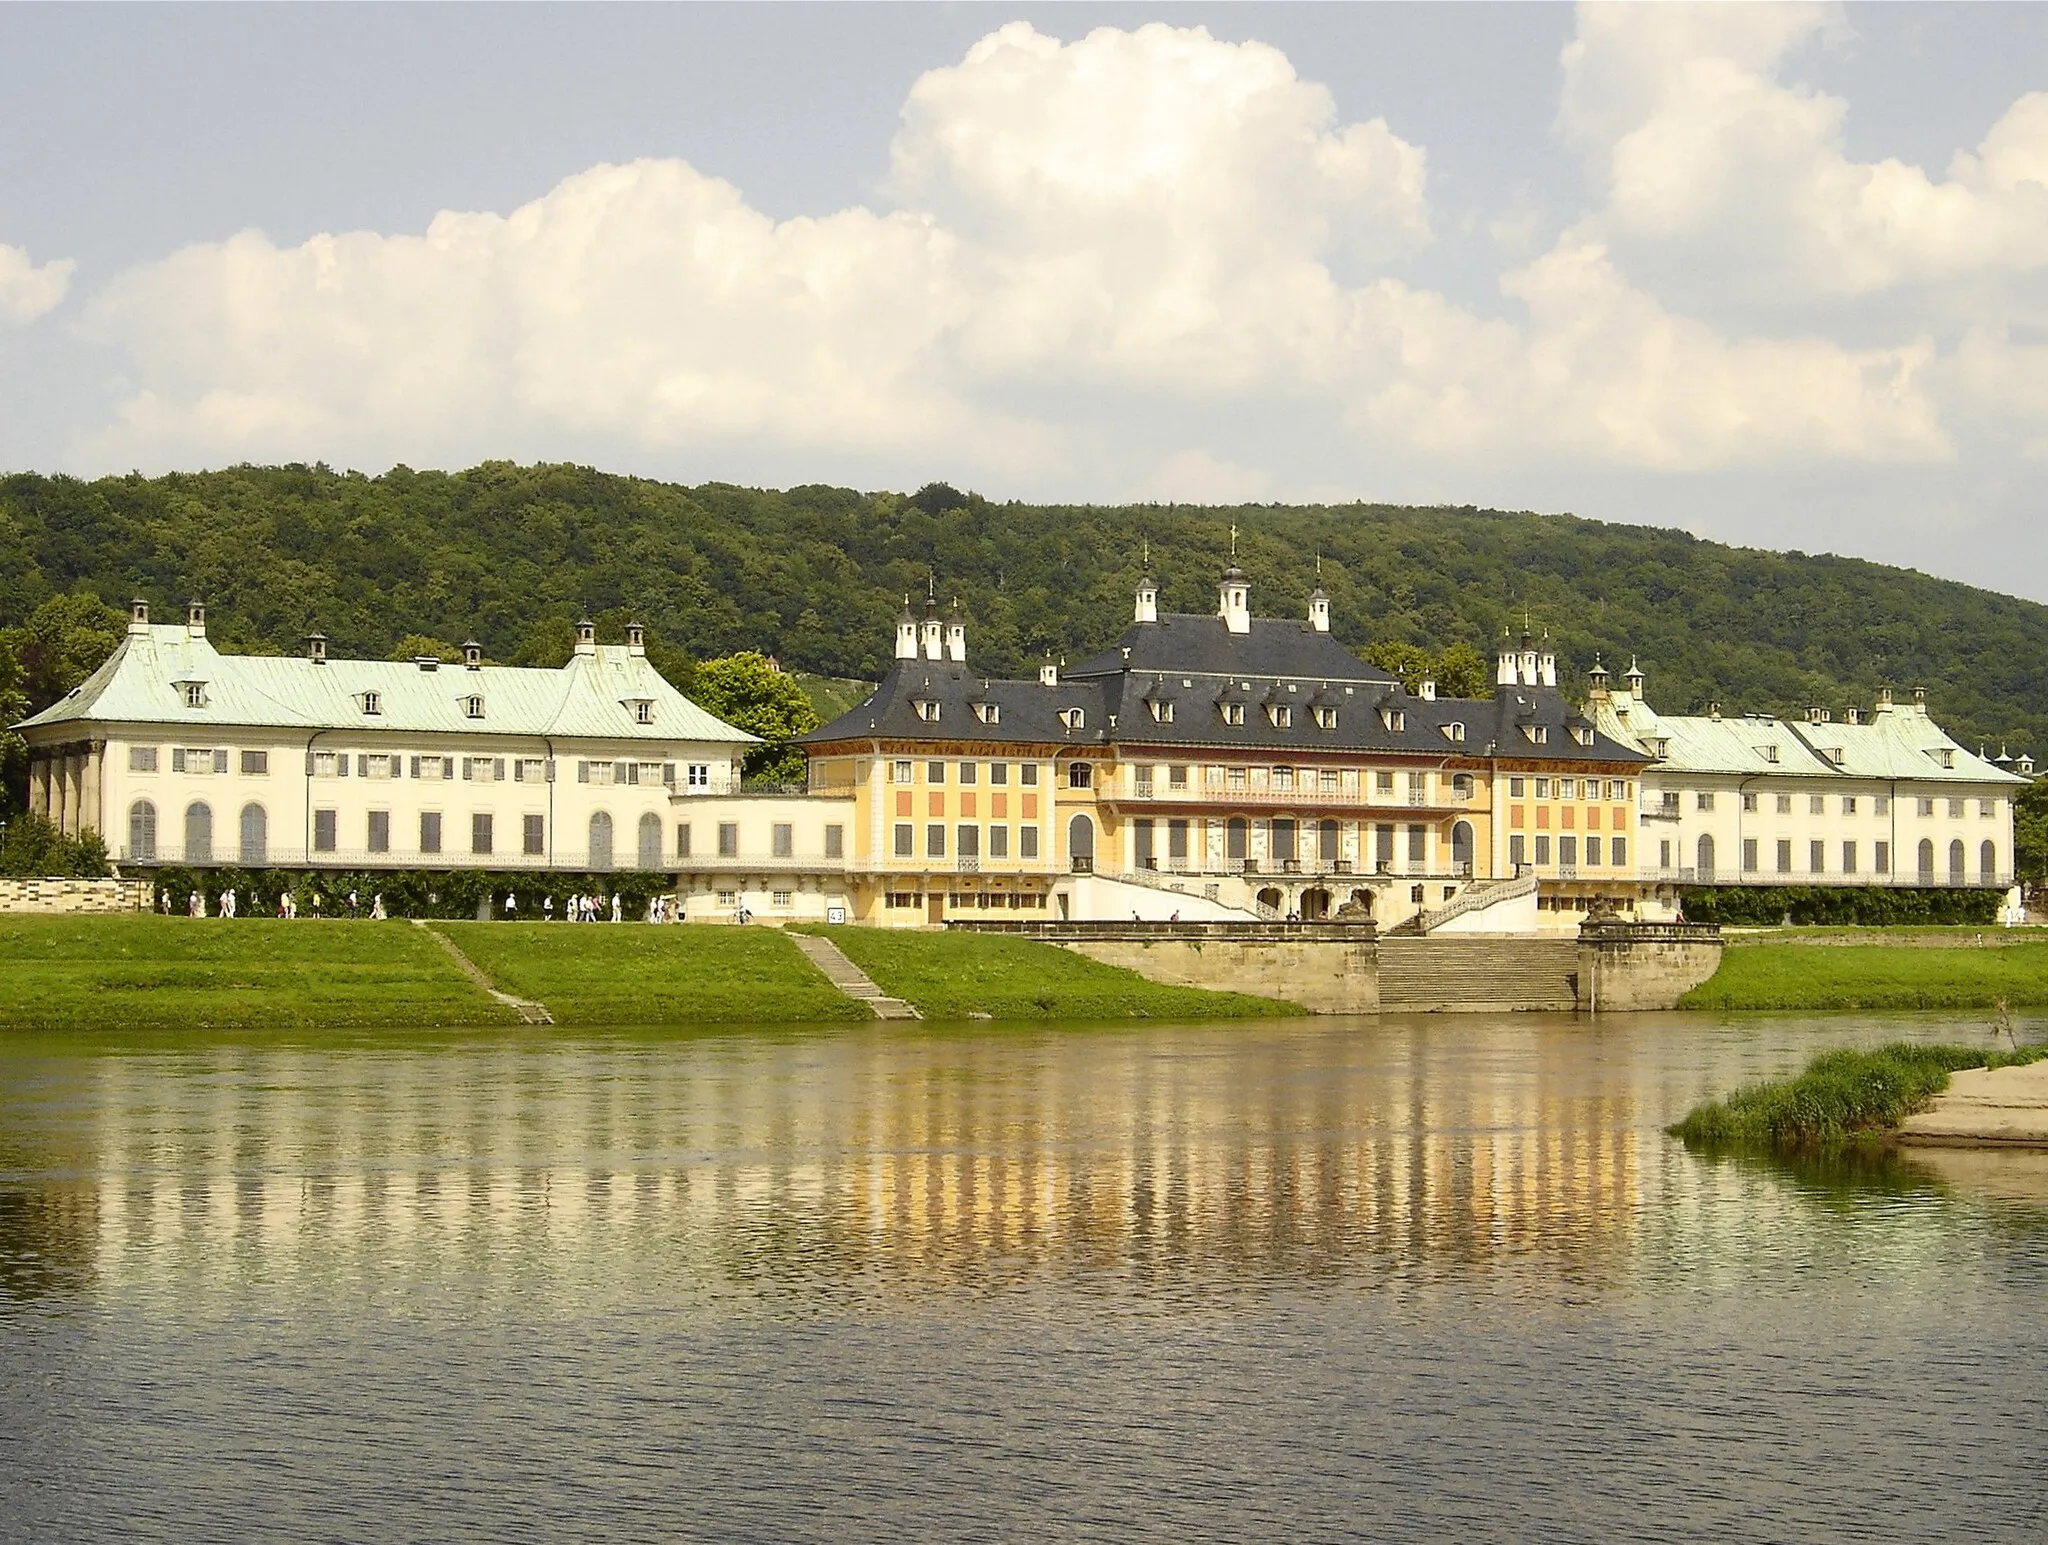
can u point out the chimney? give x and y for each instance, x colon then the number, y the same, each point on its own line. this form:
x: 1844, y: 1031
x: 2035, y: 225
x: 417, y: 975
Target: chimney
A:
x: 636, y: 638
x: 1634, y: 678
x: 472, y: 655
x: 906, y: 632
x: 1920, y: 701
x: 1546, y: 663
x: 1147, y: 609
x: 1884, y: 698
x: 1815, y: 714
x: 1528, y: 672
x: 586, y: 637
x: 1319, y: 609
x: 956, y: 635
x: 1713, y: 710
x: 1234, y: 600
x: 931, y: 634
x: 1852, y: 716
x: 316, y: 648
x: 1428, y: 689
x: 1596, y: 682
x: 1048, y: 673
x: 195, y: 618
x: 1504, y: 673
x: 138, y: 615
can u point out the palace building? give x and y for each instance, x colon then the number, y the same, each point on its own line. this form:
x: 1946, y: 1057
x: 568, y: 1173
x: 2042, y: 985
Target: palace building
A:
x: 177, y: 753
x: 1203, y: 766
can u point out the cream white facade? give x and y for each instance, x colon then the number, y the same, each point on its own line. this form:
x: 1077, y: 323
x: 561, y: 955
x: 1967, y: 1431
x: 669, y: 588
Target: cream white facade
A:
x: 1876, y: 797
x: 785, y: 858
x: 178, y: 754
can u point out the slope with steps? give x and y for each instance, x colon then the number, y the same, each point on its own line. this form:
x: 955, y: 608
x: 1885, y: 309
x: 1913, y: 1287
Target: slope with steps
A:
x: 1466, y: 973
x: 842, y: 973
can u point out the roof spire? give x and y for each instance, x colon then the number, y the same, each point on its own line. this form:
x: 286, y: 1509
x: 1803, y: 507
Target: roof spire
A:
x: 1233, y: 541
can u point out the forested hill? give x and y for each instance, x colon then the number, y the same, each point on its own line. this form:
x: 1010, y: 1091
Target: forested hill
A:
x: 816, y: 575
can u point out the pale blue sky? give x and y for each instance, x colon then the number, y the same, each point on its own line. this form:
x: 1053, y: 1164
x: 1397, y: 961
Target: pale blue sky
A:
x: 1672, y: 283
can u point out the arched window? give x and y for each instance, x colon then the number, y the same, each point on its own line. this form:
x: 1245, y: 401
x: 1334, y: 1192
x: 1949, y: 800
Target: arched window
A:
x: 600, y: 843
x: 142, y: 830
x: 1081, y: 844
x: 650, y: 841
x: 1235, y: 837
x: 1987, y: 864
x: 1927, y: 860
x: 1706, y: 858
x: 198, y: 833
x: 255, y: 836
x: 1956, y: 872
x: 1461, y: 847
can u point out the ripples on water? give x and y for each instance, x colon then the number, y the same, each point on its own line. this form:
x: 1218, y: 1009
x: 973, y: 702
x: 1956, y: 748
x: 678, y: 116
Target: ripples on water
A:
x: 1417, y: 1279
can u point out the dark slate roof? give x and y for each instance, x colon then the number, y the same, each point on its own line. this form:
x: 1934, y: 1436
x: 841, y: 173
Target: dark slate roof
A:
x: 1026, y: 711
x: 1180, y: 642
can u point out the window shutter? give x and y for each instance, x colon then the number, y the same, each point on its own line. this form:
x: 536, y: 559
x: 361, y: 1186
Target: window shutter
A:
x: 415, y: 767
x: 220, y: 761
x: 582, y: 772
x: 498, y: 768
x: 618, y: 772
x: 551, y: 770
x: 178, y: 759
x: 668, y: 774
x: 341, y: 765
x: 632, y: 772
x: 519, y: 769
x: 465, y: 769
x: 309, y: 763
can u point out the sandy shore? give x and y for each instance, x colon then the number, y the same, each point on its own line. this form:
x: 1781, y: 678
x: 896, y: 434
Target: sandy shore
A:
x: 1982, y: 1108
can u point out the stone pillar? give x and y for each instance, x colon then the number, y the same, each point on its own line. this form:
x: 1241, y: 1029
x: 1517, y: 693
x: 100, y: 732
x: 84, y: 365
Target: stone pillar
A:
x: 60, y: 791
x: 92, y: 788
x: 38, y: 784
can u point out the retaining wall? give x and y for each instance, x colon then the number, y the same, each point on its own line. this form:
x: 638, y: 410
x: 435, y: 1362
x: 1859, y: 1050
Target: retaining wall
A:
x: 60, y: 898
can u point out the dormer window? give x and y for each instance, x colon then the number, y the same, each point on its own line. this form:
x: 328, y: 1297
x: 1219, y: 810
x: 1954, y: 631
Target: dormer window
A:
x: 927, y: 710
x: 1583, y: 734
x: 1281, y: 715
x: 1394, y: 719
x: 1233, y: 713
x: 1835, y: 755
x: 989, y: 713
x: 1326, y: 718
x: 1162, y: 713
x: 643, y: 710
x: 473, y: 707
x: 1454, y: 731
x: 1073, y: 719
x: 1946, y: 757
x: 195, y: 694
x: 1537, y: 734
x: 1662, y: 748
x: 1769, y: 753
x: 373, y: 702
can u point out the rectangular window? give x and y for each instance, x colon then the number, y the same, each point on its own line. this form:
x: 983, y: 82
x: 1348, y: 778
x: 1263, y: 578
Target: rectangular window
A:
x: 728, y: 839
x: 835, y: 842
x: 324, y: 824
x: 1816, y: 804
x: 1955, y: 808
x: 1617, y: 851
x: 999, y: 842
x: 1027, y: 774
x: 1784, y: 804
x: 1515, y: 788
x: 1542, y: 850
x: 1080, y: 775
x: 255, y: 764
x: 934, y: 772
x: 935, y: 840
x: 1927, y: 807
x: 430, y: 831
x: 699, y: 776
x: 1418, y: 843
x: 1567, y: 788
x: 1881, y: 857
x: 1383, y: 781
x: 142, y: 758
x: 1383, y: 845
x: 969, y: 774
x: 782, y: 839
x: 1593, y: 852
x: 1784, y: 855
x: 1568, y: 852
x: 1987, y: 807
x: 434, y: 769
x: 969, y: 840
x: 1141, y: 781
x: 533, y: 833
x: 1817, y: 857
x: 1517, y: 852
x: 1848, y: 858
x: 1848, y: 804
x: 530, y: 769
x: 1748, y: 803
x: 1543, y: 788
x: 1704, y: 800
x: 781, y: 898
x: 999, y: 775
x: 380, y: 831
x: 682, y: 839
x: 1177, y: 778
x: 899, y: 772
x: 1027, y: 842
x: 728, y: 898
x: 906, y: 840
x: 1664, y: 854
x: 1881, y: 804
x: 1749, y: 855
x: 378, y: 766
x: 480, y: 832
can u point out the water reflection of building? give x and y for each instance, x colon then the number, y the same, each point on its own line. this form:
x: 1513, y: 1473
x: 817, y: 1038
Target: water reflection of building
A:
x: 1176, y: 1158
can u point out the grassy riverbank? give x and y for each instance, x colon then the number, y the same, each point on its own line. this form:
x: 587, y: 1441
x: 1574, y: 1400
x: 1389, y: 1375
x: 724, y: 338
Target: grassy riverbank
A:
x: 171, y: 973
x: 1843, y: 1099
x: 1908, y: 973
x: 597, y: 974
x: 959, y: 975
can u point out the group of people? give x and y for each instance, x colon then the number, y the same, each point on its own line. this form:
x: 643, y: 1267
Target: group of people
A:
x: 229, y: 904
x: 577, y: 909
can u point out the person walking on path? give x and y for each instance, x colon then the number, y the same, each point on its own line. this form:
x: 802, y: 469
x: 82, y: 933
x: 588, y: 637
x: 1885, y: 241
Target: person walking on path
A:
x: 377, y: 912
x: 511, y: 906
x: 227, y: 902
x: 615, y: 906
x: 354, y: 908
x: 195, y: 905
x: 547, y: 909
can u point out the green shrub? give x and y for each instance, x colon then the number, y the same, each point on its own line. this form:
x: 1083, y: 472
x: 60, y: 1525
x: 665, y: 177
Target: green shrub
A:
x: 1874, y: 906
x: 33, y: 847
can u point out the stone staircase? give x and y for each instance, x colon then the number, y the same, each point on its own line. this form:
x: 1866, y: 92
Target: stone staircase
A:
x: 1473, y: 973
x: 849, y: 978
x: 1480, y: 893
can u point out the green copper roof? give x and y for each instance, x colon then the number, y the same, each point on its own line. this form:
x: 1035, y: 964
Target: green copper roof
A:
x: 593, y: 696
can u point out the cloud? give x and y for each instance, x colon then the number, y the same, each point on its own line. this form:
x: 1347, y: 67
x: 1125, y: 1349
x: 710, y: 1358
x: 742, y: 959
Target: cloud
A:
x: 28, y: 292
x: 1146, y: 259
x: 1704, y: 147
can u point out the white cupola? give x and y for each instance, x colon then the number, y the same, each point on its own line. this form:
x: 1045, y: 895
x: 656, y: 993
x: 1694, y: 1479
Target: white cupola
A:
x: 1147, y: 608
x: 956, y: 635
x: 931, y: 633
x: 1234, y: 603
x: 906, y: 632
x: 1505, y: 673
x: 1319, y: 609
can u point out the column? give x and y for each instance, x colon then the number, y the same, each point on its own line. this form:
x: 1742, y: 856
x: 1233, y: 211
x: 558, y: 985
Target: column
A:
x: 39, y: 784
x: 60, y: 792
x: 92, y: 788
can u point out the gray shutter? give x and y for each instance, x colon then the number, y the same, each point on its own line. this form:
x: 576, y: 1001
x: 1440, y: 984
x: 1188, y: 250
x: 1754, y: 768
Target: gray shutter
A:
x: 465, y: 769
x: 178, y: 759
x: 220, y: 761
x: 362, y: 764
x: 551, y: 770
x: 498, y: 768
x: 341, y: 765
x: 619, y: 771
x: 668, y: 774
x: 415, y: 767
x: 582, y: 772
x: 519, y: 769
x: 309, y: 761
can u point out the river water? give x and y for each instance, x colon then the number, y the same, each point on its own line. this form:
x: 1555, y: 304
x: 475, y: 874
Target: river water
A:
x: 1432, y: 1278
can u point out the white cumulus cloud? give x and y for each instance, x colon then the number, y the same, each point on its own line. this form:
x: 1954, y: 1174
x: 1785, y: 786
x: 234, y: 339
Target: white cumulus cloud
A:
x: 28, y: 292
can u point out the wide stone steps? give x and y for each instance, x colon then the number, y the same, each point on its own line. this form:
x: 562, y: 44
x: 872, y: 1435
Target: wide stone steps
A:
x: 1468, y: 972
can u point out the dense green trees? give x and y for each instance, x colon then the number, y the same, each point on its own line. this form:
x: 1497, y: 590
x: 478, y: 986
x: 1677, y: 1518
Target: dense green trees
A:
x: 749, y: 693
x: 814, y: 575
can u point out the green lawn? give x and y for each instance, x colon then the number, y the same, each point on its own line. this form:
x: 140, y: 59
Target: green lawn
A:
x: 957, y: 975
x: 1874, y: 976
x: 176, y: 973
x: 630, y: 974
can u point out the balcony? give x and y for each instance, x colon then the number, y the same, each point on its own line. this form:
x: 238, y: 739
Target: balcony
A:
x: 1300, y: 798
